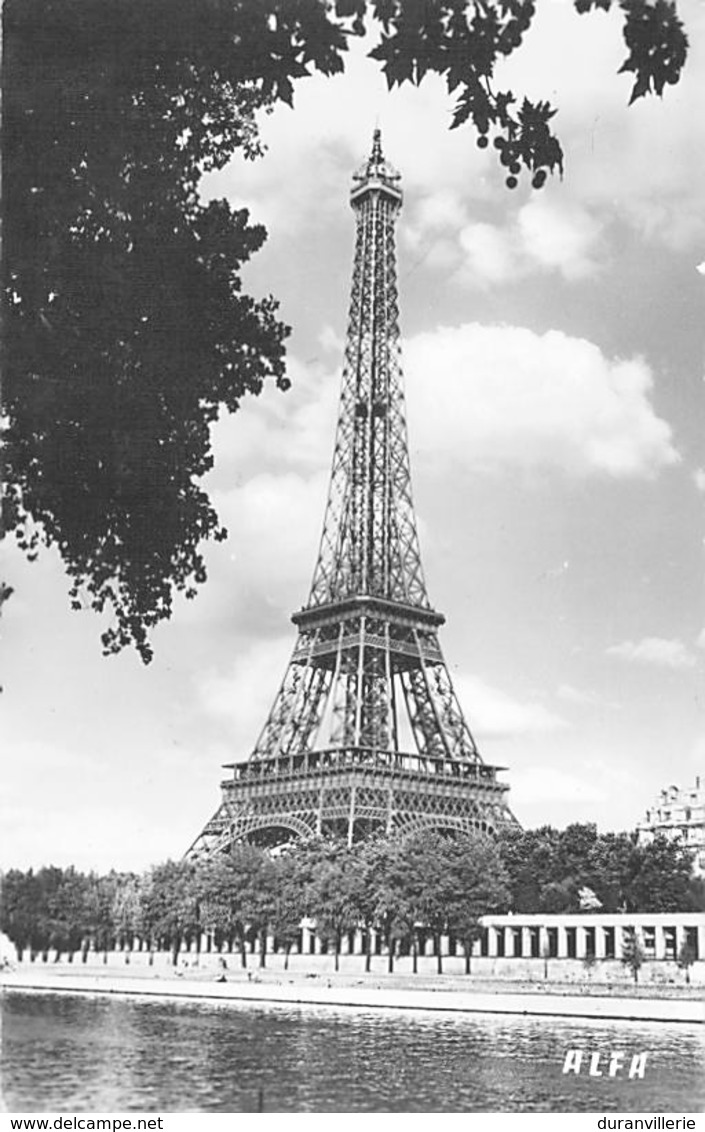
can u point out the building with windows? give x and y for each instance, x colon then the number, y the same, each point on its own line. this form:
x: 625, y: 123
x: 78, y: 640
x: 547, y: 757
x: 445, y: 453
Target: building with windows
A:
x: 679, y: 814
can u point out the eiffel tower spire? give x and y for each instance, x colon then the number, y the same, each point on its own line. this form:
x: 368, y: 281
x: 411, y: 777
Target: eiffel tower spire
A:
x: 369, y: 543
x: 366, y: 733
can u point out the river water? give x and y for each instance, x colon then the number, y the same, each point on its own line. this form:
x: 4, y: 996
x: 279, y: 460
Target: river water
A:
x: 80, y: 1054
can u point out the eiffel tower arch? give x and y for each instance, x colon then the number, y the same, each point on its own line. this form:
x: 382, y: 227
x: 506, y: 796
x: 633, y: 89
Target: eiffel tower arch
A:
x: 366, y: 734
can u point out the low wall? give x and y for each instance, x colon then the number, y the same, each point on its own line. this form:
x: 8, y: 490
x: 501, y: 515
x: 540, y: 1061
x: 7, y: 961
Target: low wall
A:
x: 656, y: 973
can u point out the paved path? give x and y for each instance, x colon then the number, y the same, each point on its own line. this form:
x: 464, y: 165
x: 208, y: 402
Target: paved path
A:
x: 321, y: 992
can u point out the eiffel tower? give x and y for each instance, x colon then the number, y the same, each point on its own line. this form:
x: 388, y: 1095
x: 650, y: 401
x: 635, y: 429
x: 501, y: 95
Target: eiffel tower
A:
x: 366, y: 734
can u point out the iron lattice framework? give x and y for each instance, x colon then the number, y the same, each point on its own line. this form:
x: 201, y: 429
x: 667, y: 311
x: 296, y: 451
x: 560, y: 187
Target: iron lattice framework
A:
x: 366, y: 733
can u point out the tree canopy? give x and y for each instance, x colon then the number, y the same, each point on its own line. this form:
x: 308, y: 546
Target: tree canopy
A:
x: 403, y: 889
x: 549, y: 871
x: 394, y: 887
x: 127, y: 329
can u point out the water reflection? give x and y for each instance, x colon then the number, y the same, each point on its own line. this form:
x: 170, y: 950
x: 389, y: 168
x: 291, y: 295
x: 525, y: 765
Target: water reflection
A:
x: 78, y: 1053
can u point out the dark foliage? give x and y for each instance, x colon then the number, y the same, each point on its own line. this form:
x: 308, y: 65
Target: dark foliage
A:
x: 547, y: 869
x: 126, y: 326
x: 246, y: 894
x: 464, y: 41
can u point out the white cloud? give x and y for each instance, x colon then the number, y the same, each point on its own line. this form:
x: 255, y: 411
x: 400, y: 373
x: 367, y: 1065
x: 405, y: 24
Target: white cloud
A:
x: 242, y: 695
x: 578, y: 696
x: 697, y: 756
x: 655, y: 650
x: 547, y: 234
x: 701, y: 640
x: 559, y: 236
x: 699, y: 479
x: 293, y: 429
x: 276, y: 522
x: 644, y: 164
x: 495, y: 714
x: 490, y: 252
x: 443, y: 209
x: 97, y: 840
x: 491, y: 396
x: 331, y: 342
x: 268, y: 485
x: 542, y: 785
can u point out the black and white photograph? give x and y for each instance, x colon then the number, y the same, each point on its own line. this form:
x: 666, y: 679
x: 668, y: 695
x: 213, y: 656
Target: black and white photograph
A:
x: 351, y: 605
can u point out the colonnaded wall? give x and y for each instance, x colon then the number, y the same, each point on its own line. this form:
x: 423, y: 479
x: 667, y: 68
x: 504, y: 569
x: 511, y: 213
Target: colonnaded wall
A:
x: 580, y: 948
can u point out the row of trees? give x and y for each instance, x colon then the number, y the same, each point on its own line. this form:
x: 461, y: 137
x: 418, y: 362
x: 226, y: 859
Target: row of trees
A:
x: 427, y: 884
x: 406, y: 891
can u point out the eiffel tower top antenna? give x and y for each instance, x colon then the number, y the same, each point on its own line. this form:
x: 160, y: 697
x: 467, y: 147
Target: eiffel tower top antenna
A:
x: 376, y: 171
x: 366, y: 733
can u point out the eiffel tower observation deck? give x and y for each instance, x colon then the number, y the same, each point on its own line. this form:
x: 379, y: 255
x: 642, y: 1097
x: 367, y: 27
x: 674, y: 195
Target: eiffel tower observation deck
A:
x: 366, y: 735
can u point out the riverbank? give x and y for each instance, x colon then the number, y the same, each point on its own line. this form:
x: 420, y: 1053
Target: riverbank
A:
x: 447, y: 994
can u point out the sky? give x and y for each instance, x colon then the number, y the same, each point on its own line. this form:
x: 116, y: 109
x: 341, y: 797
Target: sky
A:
x: 553, y: 354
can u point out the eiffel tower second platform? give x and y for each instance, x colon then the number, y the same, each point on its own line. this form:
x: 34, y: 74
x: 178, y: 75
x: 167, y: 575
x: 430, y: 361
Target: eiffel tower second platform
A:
x: 366, y: 735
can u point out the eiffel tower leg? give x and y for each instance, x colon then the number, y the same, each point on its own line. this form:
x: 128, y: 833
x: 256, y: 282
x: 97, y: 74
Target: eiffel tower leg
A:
x: 435, y: 703
x: 351, y: 817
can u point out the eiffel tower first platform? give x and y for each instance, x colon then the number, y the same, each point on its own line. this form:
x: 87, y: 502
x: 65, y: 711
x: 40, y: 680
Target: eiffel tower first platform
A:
x: 366, y: 734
